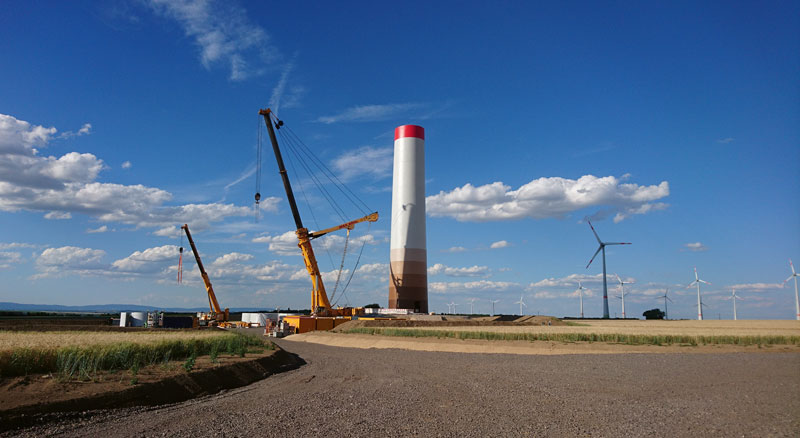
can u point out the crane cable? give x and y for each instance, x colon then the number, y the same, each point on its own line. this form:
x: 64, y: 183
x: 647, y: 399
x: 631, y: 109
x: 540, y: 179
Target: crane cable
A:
x: 353, y: 272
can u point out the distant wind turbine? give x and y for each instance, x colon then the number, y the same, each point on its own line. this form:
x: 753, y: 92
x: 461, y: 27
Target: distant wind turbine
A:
x: 580, y: 293
x: 796, y: 301
x: 493, y: 303
x: 455, y: 307
x: 471, y: 302
x: 665, y: 297
x: 603, y: 249
x: 521, y: 303
x: 697, y: 282
x: 622, y: 288
x: 733, y: 298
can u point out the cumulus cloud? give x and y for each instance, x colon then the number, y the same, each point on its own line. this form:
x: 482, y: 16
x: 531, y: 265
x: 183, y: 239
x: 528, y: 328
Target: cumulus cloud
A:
x: 553, y: 197
x: 66, y: 185
x: 499, y: 244
x: 374, y: 268
x: 481, y: 286
x: 149, y: 260
x: 455, y: 249
x: 284, y: 244
x: 695, y: 247
x: 371, y: 113
x: 223, y: 33
x: 13, y: 245
x: 473, y: 271
x: 126, y: 165
x: 59, y: 261
x: 370, y: 161
x: 101, y: 229
x: 230, y: 258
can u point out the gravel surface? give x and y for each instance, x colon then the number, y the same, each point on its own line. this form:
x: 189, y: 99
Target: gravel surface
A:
x: 351, y: 392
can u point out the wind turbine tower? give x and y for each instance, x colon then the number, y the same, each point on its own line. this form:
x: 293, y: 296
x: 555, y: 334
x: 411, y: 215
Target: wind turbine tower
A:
x: 796, y: 301
x: 733, y: 298
x: 521, y: 303
x: 622, y: 289
x: 605, y: 283
x: 580, y: 294
x: 471, y: 302
x: 493, y: 303
x: 697, y: 282
x: 665, y: 297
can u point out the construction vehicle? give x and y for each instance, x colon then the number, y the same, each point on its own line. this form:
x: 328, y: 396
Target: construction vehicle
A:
x: 216, y: 316
x: 320, y: 305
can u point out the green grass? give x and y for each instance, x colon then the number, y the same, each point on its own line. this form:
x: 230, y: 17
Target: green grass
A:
x: 84, y: 362
x: 583, y: 337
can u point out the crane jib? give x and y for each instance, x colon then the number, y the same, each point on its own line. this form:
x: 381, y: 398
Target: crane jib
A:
x: 284, y: 176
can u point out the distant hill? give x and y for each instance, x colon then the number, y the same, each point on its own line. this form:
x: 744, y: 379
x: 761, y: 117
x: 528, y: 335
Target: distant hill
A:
x: 109, y: 308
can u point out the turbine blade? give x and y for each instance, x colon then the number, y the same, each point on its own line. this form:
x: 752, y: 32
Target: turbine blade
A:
x: 618, y: 243
x: 691, y: 284
x: 695, y: 273
x: 784, y: 281
x: 595, y: 255
x: 668, y: 299
x: 792, y: 266
x: 703, y: 281
x: 595, y: 233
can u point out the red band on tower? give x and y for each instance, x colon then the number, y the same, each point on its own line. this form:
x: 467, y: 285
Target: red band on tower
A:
x: 409, y: 131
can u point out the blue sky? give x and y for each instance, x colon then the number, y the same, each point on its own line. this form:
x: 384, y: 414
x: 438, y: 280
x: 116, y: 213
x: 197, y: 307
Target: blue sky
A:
x: 673, y: 125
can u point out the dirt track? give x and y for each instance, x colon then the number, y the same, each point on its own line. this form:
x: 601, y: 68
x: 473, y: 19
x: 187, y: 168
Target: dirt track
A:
x: 351, y: 392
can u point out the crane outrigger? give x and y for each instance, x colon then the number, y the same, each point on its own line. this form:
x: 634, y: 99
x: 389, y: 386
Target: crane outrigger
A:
x: 320, y: 305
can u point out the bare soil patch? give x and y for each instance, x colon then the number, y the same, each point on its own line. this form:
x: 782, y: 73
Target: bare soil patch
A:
x: 30, y: 398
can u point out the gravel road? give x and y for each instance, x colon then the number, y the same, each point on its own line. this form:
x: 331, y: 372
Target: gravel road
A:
x: 351, y: 392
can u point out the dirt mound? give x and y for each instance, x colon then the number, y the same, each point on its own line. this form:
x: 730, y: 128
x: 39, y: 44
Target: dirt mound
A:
x: 32, y: 399
x: 481, y: 322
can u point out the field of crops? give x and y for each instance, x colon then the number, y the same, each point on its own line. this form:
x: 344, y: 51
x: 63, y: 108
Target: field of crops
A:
x: 678, y: 328
x: 81, y: 354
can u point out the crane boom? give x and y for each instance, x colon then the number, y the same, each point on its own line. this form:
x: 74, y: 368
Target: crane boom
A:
x: 319, y: 298
x: 216, y: 312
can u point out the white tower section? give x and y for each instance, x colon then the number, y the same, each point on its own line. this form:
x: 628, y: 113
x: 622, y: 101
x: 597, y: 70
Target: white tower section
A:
x: 408, y: 277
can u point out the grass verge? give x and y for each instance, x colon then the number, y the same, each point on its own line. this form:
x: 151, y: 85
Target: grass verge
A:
x: 583, y: 337
x: 83, y: 362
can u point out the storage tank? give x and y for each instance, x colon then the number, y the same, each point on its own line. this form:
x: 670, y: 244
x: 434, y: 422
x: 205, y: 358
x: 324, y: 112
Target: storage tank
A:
x: 138, y: 319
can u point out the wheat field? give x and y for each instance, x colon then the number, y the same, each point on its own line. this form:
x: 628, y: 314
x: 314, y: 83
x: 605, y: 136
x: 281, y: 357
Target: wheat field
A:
x: 13, y: 340
x: 644, y: 327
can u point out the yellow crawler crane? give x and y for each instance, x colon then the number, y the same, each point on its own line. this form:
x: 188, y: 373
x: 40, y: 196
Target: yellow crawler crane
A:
x: 215, y: 316
x: 320, y: 305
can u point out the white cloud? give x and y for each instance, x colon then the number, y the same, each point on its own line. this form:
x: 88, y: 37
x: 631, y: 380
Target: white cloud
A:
x: 474, y: 271
x: 279, y: 93
x: 757, y: 287
x: 375, y: 162
x: 570, y: 281
x: 374, y: 269
x: 8, y: 258
x: 169, y: 231
x: 285, y: 244
x: 230, y: 258
x: 149, y: 260
x: 58, y: 261
x: 126, y: 165
x: 85, y: 130
x: 13, y: 245
x: 224, y: 34
x: 58, y: 215
x: 371, y: 113
x: 101, y: 229
x: 695, y: 247
x: 65, y: 185
x: 455, y: 249
x: 481, y: 286
x: 726, y: 140
x: 553, y: 197
x: 499, y: 244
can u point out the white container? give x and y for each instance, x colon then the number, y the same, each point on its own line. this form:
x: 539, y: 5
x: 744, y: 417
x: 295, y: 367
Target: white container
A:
x: 138, y: 319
